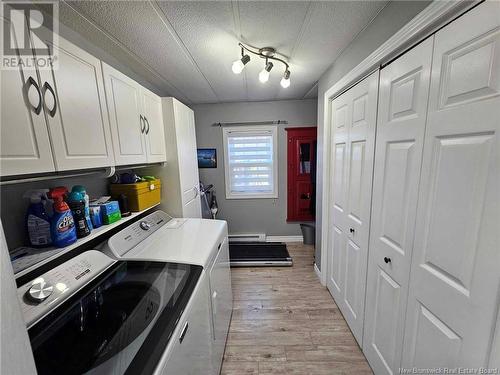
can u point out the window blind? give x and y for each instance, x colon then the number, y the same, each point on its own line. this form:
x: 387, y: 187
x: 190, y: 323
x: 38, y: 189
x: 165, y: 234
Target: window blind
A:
x: 250, y: 164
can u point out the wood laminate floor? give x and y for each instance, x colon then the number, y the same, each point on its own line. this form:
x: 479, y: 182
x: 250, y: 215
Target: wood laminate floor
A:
x: 286, y: 322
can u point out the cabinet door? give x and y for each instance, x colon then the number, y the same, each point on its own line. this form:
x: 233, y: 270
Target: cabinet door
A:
x: 301, y: 173
x: 123, y: 96
x: 455, y: 278
x: 191, y: 351
x: 188, y: 160
x: 154, y: 127
x: 25, y: 146
x: 402, y: 112
x: 75, y: 108
x: 355, y: 114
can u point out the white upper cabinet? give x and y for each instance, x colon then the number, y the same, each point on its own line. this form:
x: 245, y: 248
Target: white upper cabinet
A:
x: 57, y: 118
x: 25, y: 145
x: 77, y: 114
x: 127, y: 123
x: 75, y: 109
x: 154, y: 130
x: 136, y: 120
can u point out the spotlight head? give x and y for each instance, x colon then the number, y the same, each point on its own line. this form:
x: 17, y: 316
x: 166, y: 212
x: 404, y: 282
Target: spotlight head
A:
x: 285, y: 81
x: 239, y: 65
x: 264, y: 74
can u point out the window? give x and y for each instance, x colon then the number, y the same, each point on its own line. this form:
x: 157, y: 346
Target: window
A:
x: 250, y: 161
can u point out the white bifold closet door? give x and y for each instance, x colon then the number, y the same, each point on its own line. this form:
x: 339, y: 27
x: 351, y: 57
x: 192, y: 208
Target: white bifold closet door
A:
x: 353, y: 123
x: 455, y: 274
x: 402, y: 112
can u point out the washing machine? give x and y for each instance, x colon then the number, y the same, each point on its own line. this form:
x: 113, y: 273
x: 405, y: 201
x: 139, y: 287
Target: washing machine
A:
x: 96, y: 315
x: 201, y: 242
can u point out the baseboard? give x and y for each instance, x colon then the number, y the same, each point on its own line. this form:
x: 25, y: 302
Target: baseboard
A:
x: 318, y: 272
x: 284, y: 239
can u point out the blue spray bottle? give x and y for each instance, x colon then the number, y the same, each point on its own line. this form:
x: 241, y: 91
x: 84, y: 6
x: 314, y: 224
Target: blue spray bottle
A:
x: 37, y: 220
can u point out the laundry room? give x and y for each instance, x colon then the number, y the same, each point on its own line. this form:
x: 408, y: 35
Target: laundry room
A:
x: 250, y: 187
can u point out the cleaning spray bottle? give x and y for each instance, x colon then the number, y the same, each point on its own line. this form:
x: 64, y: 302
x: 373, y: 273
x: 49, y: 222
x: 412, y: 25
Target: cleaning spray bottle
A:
x: 37, y: 220
x: 62, y: 225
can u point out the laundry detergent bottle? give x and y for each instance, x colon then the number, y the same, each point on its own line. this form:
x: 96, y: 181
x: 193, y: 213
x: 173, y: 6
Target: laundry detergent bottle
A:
x: 37, y: 220
x: 76, y: 202
x: 62, y: 225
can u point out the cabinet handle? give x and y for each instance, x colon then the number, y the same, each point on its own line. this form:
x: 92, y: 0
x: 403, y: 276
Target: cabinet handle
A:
x: 46, y: 86
x: 387, y: 259
x: 183, y: 332
x: 143, y: 125
x: 147, y: 123
x: 32, y: 82
x: 351, y: 230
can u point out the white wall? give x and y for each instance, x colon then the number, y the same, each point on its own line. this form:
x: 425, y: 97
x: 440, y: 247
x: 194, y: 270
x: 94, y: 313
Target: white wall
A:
x: 394, y: 16
x: 252, y: 215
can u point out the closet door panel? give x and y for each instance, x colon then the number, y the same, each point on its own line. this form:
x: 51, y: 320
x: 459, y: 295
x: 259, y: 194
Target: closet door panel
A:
x: 340, y: 120
x: 403, y: 98
x: 335, y: 283
x: 353, y: 285
x: 361, y: 144
x: 454, y: 286
x: 353, y: 140
x: 383, y: 339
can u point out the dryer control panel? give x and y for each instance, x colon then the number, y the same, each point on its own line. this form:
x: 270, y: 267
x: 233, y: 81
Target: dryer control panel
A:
x: 124, y: 241
x: 44, y: 293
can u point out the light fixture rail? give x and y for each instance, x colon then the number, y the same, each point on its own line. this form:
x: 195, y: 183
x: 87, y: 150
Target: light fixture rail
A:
x: 267, y: 53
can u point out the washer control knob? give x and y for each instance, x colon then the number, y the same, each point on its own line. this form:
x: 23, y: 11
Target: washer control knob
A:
x: 39, y: 291
x: 145, y: 225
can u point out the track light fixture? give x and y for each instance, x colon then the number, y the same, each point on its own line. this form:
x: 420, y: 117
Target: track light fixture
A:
x: 267, y: 53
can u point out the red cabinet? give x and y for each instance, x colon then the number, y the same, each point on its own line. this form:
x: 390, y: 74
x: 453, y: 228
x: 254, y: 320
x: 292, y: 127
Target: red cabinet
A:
x: 301, y: 173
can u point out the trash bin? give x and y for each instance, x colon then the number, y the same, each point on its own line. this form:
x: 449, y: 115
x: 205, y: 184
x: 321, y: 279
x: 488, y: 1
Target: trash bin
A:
x: 309, y: 233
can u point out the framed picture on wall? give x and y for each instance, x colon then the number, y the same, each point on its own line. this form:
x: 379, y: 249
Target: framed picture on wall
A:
x: 207, y: 158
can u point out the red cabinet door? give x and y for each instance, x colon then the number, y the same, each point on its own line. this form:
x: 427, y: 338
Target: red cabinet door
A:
x: 301, y: 173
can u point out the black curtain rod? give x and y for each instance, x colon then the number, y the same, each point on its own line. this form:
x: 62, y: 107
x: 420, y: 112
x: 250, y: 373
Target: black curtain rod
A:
x: 275, y: 122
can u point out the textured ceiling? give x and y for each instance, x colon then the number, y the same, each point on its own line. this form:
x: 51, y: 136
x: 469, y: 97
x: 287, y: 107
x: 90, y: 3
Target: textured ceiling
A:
x: 186, y: 48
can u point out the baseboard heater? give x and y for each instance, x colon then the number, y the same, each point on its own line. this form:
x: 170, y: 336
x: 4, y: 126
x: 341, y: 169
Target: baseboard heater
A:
x: 247, y: 237
x: 258, y: 254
